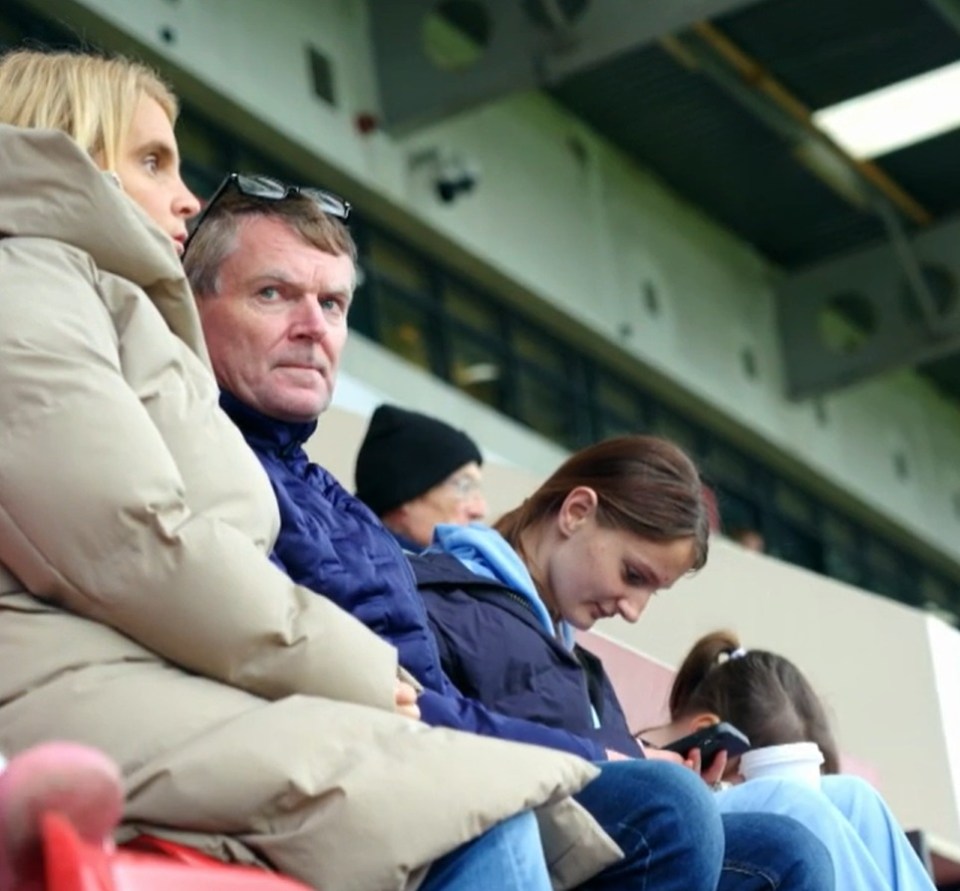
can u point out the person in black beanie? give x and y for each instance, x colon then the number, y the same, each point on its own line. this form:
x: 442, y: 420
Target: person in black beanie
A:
x: 414, y: 471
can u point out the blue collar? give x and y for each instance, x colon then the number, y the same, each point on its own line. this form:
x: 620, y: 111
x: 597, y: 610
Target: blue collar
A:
x: 263, y: 433
x: 486, y: 553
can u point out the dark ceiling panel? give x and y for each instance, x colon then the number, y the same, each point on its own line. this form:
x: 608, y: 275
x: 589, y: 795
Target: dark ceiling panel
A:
x: 826, y: 51
x: 714, y: 152
x: 929, y: 171
x: 945, y: 373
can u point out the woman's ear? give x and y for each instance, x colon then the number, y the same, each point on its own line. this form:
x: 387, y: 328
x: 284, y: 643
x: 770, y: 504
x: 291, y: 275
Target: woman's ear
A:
x: 701, y: 720
x: 578, y: 507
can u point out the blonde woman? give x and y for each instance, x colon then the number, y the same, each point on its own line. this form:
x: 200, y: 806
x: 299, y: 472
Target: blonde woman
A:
x: 139, y: 612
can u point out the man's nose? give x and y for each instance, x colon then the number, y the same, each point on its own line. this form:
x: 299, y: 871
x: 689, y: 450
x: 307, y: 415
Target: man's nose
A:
x: 477, y: 507
x: 309, y: 320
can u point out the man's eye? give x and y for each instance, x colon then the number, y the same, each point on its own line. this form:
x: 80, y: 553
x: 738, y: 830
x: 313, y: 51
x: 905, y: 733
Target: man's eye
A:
x: 268, y: 293
x: 332, y: 307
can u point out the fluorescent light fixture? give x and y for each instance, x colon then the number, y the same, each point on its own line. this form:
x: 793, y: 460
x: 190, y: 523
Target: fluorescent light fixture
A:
x: 897, y: 115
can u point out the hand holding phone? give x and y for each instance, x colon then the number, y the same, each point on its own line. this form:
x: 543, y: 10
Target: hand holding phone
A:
x: 711, y: 740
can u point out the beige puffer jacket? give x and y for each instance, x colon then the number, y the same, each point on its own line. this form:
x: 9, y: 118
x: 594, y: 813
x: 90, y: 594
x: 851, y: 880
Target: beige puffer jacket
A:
x: 139, y: 612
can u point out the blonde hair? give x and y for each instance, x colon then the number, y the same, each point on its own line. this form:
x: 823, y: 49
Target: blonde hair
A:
x: 92, y: 98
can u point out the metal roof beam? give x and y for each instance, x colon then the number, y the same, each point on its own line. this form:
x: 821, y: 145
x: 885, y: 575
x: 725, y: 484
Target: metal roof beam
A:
x: 867, y: 300
x: 514, y: 50
x: 861, y: 183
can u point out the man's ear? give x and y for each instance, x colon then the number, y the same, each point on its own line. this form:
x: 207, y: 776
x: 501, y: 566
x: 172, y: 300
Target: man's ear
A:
x: 578, y: 507
x: 395, y: 518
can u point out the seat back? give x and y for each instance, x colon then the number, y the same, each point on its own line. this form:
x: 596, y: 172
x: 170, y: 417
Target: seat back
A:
x: 72, y: 864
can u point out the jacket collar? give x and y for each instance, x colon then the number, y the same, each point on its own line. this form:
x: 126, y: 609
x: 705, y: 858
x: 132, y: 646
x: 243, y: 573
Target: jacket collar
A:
x: 437, y: 568
x: 263, y: 433
x: 439, y: 572
x: 408, y: 544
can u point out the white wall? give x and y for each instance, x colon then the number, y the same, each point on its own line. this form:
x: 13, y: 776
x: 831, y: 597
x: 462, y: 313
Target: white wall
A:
x: 945, y: 652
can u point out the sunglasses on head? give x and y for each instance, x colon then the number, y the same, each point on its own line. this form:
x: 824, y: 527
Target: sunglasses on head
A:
x: 266, y: 188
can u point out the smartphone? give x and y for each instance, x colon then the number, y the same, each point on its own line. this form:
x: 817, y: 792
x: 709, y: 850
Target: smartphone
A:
x: 722, y: 737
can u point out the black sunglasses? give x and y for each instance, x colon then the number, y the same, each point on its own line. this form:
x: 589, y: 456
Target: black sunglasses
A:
x: 266, y: 188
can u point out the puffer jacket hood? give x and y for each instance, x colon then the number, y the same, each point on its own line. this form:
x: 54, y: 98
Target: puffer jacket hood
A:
x: 53, y: 190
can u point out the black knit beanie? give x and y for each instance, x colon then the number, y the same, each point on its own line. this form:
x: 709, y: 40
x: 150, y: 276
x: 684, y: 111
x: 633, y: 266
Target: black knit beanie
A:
x: 405, y: 454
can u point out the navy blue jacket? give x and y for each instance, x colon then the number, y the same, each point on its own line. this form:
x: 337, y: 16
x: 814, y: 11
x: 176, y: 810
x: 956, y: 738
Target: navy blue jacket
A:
x: 332, y: 543
x: 496, y: 651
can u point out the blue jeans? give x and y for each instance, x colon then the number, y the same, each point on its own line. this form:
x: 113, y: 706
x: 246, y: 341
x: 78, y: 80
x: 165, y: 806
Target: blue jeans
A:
x: 868, y: 848
x: 667, y: 823
x: 509, y: 856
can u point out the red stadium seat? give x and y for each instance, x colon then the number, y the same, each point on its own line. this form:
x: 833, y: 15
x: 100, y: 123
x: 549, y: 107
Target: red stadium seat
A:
x: 72, y: 864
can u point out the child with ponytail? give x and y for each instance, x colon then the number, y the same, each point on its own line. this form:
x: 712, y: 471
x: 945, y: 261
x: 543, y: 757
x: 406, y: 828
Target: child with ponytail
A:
x: 767, y: 697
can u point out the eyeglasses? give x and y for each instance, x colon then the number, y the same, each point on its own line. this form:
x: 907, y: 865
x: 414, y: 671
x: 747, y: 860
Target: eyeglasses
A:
x: 266, y: 188
x: 465, y: 487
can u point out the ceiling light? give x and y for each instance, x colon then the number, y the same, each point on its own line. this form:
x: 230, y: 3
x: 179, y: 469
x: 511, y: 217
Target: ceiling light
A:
x: 895, y: 116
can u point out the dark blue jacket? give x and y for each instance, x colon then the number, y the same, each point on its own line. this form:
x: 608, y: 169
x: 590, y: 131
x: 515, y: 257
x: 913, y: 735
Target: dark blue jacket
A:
x: 496, y: 651
x: 332, y: 543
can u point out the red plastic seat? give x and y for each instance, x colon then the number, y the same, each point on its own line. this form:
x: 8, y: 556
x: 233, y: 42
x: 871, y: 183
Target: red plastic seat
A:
x: 71, y: 864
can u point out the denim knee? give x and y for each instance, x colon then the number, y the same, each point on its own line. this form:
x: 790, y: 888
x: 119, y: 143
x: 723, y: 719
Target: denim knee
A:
x: 660, y: 814
x: 508, y: 856
x: 776, y: 852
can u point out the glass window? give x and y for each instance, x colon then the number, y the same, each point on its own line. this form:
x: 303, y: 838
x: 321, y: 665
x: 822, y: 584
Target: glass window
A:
x: 548, y: 408
x: 542, y: 352
x: 936, y: 591
x: 725, y: 466
x: 671, y: 426
x: 471, y: 310
x: 387, y: 260
x: 737, y: 514
x: 10, y: 34
x: 886, y: 573
x: 618, y: 405
x: 795, y: 546
x: 843, y: 564
x: 477, y: 367
x: 201, y: 145
x: 404, y: 327
x: 794, y: 505
x: 838, y: 531
x: 609, y: 424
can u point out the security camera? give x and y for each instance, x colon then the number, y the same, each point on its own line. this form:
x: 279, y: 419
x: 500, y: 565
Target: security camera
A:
x: 449, y: 173
x: 448, y: 187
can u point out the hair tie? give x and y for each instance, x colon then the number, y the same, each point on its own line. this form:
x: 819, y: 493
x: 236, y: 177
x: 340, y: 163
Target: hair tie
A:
x: 728, y: 656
